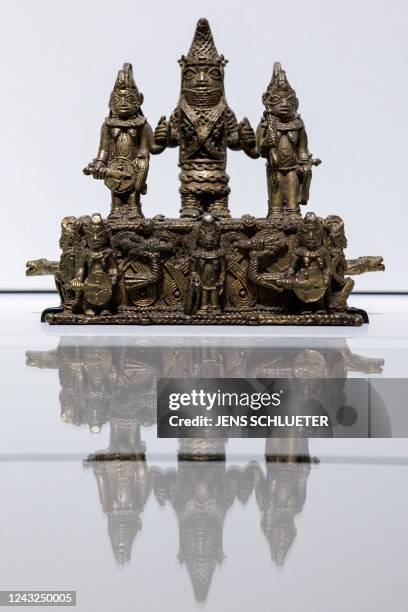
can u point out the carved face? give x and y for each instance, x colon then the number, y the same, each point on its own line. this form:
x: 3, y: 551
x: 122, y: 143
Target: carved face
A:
x: 311, y: 236
x: 203, y: 84
x: 208, y: 240
x: 282, y: 103
x: 335, y: 228
x: 124, y: 103
x: 96, y: 239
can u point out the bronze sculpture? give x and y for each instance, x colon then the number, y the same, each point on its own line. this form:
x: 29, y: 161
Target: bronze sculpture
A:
x: 124, y: 149
x: 310, y: 269
x: 207, y: 271
x: 282, y: 140
x: 204, y: 267
x: 105, y: 386
x: 203, y: 127
x: 96, y: 278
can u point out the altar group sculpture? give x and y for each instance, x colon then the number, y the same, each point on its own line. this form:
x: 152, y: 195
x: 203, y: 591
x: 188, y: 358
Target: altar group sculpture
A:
x: 204, y: 267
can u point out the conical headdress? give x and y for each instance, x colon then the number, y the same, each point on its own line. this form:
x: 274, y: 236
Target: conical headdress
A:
x: 125, y: 79
x: 279, y: 81
x: 203, y: 49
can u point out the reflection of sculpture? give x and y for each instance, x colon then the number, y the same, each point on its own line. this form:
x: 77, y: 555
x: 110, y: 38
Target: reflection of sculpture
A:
x: 124, y: 483
x: 282, y: 140
x: 201, y: 492
x: 167, y: 271
x: 281, y: 494
x: 97, y: 378
x: 203, y: 127
x: 115, y: 386
x: 123, y: 156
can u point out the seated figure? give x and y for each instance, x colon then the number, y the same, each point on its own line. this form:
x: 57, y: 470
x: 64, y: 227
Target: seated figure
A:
x: 96, y: 278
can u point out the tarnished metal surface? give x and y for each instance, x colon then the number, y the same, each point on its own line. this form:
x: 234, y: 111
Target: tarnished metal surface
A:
x: 204, y: 267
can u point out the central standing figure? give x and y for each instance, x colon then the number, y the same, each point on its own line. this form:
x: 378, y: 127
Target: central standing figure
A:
x: 203, y: 126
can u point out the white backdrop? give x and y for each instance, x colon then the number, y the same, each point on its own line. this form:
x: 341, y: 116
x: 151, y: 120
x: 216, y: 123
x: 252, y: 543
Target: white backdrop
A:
x: 346, y: 59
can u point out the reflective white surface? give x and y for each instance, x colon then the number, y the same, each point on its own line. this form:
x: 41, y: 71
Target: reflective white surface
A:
x: 150, y: 531
x: 349, y: 551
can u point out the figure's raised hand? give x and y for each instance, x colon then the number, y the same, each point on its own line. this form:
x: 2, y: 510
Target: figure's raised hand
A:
x: 161, y: 132
x: 246, y: 134
x: 99, y: 169
x: 95, y: 168
x: 75, y: 284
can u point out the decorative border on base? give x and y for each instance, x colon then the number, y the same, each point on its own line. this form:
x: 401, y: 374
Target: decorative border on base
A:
x: 350, y: 319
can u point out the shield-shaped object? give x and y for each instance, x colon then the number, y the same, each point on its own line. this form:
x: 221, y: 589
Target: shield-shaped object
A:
x: 98, y: 288
x: 310, y: 285
x: 120, y: 175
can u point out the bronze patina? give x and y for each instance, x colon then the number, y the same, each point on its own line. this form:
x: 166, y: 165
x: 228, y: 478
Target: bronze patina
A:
x: 203, y: 126
x: 124, y: 150
x: 282, y: 140
x: 204, y: 267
